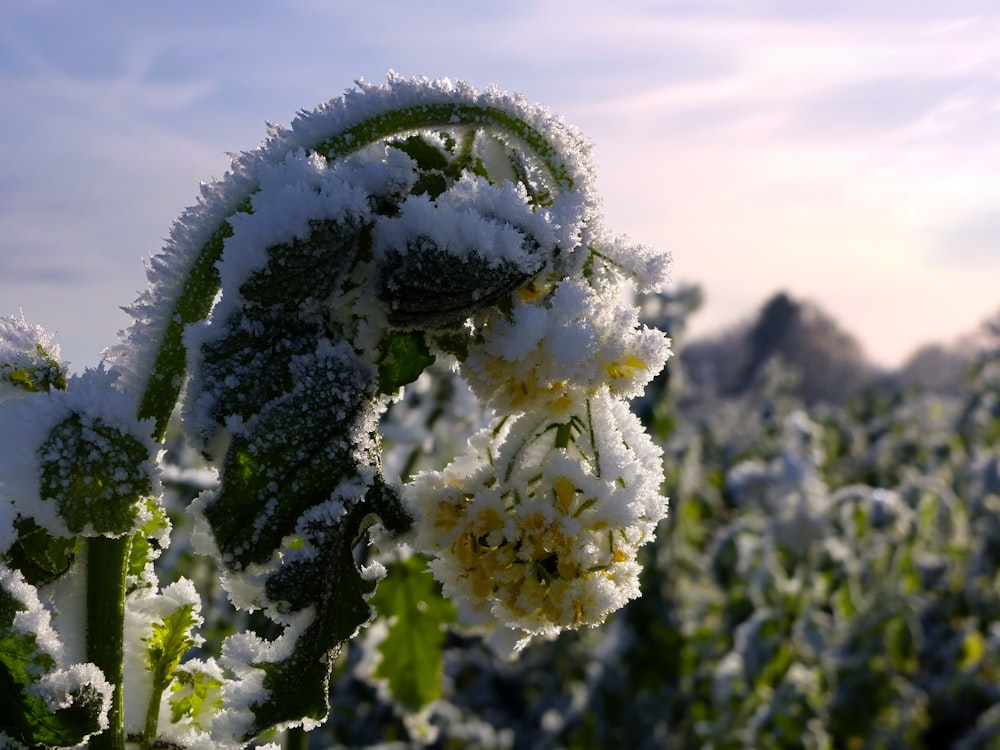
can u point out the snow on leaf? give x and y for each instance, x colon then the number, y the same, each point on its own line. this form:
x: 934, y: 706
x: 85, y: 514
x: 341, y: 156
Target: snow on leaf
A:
x: 291, y: 458
x: 96, y: 473
x: 196, y: 693
x: 29, y: 362
x: 43, y: 706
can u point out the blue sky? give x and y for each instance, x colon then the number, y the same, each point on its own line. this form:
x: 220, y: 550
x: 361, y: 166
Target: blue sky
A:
x: 845, y: 151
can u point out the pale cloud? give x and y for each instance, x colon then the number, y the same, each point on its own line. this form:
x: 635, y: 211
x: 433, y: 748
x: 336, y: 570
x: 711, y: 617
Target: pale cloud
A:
x: 972, y: 242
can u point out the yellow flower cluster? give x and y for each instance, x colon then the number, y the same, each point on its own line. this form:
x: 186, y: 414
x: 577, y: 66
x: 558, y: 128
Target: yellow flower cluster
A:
x: 536, y: 526
x: 558, y: 340
x: 539, y: 523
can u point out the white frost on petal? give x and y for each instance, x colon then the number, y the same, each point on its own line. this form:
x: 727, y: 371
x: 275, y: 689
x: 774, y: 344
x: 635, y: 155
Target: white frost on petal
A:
x: 540, y: 526
x: 569, y: 337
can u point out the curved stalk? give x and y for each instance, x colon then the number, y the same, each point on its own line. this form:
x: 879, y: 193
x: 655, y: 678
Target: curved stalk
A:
x: 202, y: 283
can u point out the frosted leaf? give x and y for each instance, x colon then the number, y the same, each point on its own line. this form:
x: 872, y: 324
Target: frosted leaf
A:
x: 145, y: 609
x: 648, y: 268
x: 387, y: 228
x: 62, y: 688
x: 77, y: 460
x: 31, y: 617
x: 29, y: 360
x: 195, y: 698
x: 49, y: 702
x: 246, y: 695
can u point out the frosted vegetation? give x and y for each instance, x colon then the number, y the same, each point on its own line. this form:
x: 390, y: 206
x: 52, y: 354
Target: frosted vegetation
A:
x: 396, y: 337
x: 385, y: 455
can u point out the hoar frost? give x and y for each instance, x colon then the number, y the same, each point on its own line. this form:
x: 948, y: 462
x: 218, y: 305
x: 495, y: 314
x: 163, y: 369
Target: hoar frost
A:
x: 402, y: 225
x: 455, y: 235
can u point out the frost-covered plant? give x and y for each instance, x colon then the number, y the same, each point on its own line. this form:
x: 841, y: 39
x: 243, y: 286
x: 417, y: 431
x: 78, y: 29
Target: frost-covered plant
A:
x: 398, y: 226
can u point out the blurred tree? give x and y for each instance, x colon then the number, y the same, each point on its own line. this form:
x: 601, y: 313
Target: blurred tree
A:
x: 828, y: 361
x: 935, y: 368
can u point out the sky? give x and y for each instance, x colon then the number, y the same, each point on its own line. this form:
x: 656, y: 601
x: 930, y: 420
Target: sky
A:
x: 846, y: 152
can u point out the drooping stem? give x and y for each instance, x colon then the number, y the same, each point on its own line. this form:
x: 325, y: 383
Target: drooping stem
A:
x: 198, y: 292
x: 107, y: 565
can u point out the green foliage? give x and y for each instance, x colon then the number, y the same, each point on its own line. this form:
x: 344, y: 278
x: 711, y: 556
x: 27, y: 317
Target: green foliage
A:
x: 169, y: 642
x: 416, y: 613
x: 404, y: 355
x: 192, y: 304
x: 96, y: 473
x: 41, y: 557
x: 331, y: 582
x: 433, y: 290
x: 146, y: 537
x: 293, y: 457
x: 194, y: 694
x: 42, y: 375
x: 27, y: 717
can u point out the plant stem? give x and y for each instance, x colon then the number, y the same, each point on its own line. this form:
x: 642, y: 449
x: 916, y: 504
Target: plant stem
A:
x: 107, y: 565
x: 296, y: 739
x: 152, y: 716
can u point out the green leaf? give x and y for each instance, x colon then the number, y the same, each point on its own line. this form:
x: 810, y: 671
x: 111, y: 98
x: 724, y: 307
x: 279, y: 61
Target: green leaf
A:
x: 330, y: 582
x: 195, y: 694
x: 43, y: 374
x: 411, y: 601
x: 41, y: 557
x: 96, y: 473
x: 432, y: 289
x: 404, y: 355
x: 25, y: 716
x: 298, y: 450
x: 304, y: 446
x: 141, y: 551
x: 192, y: 304
x: 301, y: 276
x: 170, y: 640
